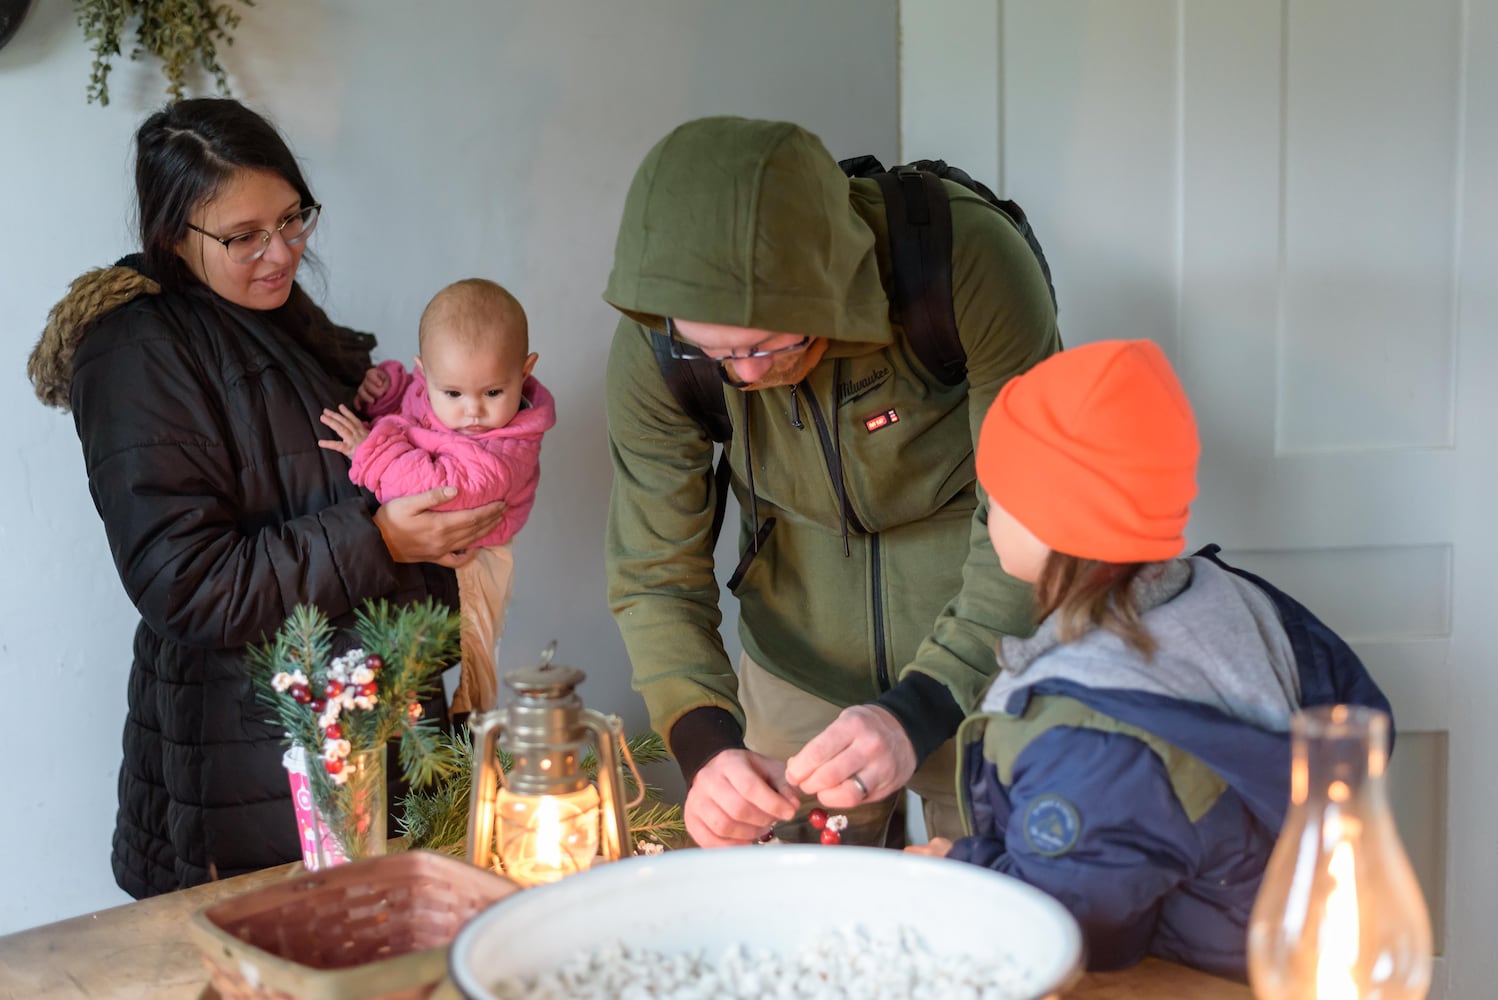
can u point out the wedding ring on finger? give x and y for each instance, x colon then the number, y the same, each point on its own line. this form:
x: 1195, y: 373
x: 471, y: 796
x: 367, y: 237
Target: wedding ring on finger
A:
x: 863, y: 790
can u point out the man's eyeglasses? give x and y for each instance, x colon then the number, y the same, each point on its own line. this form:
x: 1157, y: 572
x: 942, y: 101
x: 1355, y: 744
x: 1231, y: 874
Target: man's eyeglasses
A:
x: 248, y: 247
x: 683, y: 351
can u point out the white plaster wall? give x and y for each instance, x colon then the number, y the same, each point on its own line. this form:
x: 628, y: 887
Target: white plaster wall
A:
x: 446, y: 139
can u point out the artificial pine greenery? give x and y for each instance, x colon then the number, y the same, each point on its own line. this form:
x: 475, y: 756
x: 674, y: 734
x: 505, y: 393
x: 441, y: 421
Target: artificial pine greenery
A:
x: 406, y: 649
x: 179, y: 32
x: 419, y: 641
x: 438, y: 819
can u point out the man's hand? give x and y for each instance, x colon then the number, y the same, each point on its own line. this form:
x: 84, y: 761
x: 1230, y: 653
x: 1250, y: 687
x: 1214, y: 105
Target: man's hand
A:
x: 374, y: 385
x: 866, y: 743
x: 413, y: 532
x: 350, y: 429
x: 736, y: 797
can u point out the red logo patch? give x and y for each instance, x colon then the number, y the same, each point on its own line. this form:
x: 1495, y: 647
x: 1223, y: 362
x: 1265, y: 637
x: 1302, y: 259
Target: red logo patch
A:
x: 881, y: 420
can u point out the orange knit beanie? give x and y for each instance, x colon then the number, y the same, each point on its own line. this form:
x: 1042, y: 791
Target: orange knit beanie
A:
x: 1094, y: 450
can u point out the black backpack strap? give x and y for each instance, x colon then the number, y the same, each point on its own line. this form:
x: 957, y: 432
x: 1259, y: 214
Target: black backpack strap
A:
x: 920, y: 240
x: 862, y: 166
x: 1016, y: 214
x: 698, y: 390
x: 696, y: 385
x: 920, y: 232
x: 721, y: 475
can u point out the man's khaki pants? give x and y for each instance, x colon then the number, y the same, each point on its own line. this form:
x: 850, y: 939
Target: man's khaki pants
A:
x: 781, y: 719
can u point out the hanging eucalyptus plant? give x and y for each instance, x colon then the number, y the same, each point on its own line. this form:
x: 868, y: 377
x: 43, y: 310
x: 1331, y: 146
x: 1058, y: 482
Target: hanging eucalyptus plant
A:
x: 181, y: 33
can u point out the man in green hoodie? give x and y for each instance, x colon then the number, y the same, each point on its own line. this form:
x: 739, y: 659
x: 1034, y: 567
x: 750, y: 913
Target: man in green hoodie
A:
x: 870, y: 598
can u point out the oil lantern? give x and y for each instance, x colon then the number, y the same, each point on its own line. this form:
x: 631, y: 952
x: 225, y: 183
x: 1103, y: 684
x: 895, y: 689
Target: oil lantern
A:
x: 545, y: 818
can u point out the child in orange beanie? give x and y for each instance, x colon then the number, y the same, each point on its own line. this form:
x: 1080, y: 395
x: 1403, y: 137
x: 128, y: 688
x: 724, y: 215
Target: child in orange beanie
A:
x: 1132, y: 756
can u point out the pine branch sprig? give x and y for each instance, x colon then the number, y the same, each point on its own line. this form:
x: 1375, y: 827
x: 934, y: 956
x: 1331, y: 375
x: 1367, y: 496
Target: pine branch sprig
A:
x: 302, y: 645
x: 408, y: 639
x: 425, y: 757
x: 658, y: 822
x: 437, y: 818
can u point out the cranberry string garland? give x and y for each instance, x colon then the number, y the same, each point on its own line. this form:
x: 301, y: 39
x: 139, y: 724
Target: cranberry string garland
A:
x: 831, y: 827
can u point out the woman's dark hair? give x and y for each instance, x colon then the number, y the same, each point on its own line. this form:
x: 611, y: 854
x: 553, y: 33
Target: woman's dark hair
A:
x: 183, y: 155
x: 1086, y: 594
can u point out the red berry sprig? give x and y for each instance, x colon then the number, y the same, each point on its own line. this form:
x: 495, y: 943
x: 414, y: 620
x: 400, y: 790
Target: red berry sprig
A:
x: 352, y: 684
x: 831, y: 827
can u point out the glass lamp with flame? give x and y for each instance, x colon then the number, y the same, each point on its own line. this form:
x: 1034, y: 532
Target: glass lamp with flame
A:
x: 549, y: 820
x: 1339, y: 915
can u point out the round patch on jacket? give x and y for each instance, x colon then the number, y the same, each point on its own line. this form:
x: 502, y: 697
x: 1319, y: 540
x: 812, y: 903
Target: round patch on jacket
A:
x: 1052, y: 825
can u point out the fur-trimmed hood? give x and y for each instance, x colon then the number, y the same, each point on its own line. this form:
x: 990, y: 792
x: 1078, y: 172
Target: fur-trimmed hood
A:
x: 344, y: 353
x: 92, y: 295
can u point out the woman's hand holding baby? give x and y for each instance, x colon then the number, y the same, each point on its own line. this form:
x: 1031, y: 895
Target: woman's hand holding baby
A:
x: 413, y: 532
x: 346, y: 424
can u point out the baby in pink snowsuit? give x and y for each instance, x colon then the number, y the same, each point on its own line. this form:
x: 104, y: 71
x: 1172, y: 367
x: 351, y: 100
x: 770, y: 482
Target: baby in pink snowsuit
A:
x: 468, y: 415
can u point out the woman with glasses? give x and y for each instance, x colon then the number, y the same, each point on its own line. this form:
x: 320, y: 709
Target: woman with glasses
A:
x: 196, y: 371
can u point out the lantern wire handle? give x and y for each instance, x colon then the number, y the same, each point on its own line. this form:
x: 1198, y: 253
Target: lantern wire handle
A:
x: 547, y: 654
x: 629, y: 759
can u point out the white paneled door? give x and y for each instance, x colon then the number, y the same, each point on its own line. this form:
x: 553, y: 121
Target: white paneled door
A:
x: 1299, y: 201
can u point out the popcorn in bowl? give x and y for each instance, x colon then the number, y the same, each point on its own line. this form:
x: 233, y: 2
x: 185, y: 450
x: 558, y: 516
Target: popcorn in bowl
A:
x: 709, y: 922
x: 841, y: 962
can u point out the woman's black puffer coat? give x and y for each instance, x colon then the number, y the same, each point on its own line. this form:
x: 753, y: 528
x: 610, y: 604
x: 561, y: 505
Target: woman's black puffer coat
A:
x: 199, y: 425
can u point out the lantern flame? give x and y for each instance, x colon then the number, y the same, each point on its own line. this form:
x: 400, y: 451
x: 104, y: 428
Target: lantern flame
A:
x: 549, y: 832
x: 1337, y: 939
x: 544, y: 837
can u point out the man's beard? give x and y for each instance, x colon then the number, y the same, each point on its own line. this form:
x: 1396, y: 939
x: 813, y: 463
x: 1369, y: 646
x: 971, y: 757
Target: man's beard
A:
x: 791, y: 369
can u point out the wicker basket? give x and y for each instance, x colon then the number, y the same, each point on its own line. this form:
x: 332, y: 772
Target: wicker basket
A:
x: 378, y: 928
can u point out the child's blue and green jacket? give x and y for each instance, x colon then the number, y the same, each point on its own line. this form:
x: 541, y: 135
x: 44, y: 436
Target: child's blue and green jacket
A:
x: 1146, y: 793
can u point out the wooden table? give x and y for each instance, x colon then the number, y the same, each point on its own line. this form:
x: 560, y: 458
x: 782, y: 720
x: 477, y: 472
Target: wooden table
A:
x: 141, y: 951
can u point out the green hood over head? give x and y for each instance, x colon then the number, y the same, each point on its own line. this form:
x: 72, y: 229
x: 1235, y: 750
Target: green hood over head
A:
x: 747, y: 223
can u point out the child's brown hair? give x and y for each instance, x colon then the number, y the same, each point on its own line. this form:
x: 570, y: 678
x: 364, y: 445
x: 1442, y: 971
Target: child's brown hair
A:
x: 1087, y: 594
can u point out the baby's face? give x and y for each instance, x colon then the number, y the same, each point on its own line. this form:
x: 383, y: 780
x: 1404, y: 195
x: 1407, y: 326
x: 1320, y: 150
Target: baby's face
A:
x: 473, y: 389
